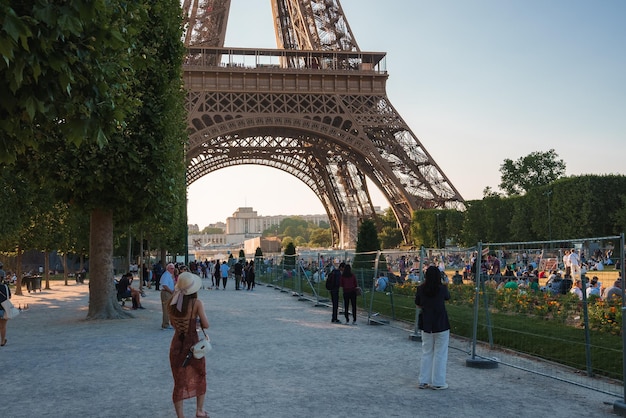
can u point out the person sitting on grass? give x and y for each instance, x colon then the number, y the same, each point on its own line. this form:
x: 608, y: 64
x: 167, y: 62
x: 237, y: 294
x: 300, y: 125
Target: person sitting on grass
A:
x: 381, y: 282
x: 511, y: 284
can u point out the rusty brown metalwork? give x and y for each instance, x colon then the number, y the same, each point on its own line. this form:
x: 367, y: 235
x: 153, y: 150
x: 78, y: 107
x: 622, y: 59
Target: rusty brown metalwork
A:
x: 315, y: 108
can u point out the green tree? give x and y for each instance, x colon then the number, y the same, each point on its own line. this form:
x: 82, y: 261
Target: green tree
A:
x: 64, y: 72
x: 390, y: 235
x: 367, y: 246
x: 212, y: 230
x: 286, y: 241
x: 424, y: 228
x: 138, y: 173
x: 320, y: 237
x: 290, y: 256
x: 534, y: 170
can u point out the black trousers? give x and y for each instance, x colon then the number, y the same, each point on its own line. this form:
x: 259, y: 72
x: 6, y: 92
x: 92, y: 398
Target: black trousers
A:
x: 334, y: 297
x: 349, y: 298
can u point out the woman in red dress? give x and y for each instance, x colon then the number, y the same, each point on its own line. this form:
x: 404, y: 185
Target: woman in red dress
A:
x: 185, y: 310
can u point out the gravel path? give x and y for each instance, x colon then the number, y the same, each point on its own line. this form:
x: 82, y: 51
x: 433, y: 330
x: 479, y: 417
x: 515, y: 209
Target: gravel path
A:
x: 273, y: 356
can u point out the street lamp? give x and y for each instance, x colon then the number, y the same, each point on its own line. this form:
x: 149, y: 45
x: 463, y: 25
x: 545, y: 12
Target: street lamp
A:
x: 438, y: 246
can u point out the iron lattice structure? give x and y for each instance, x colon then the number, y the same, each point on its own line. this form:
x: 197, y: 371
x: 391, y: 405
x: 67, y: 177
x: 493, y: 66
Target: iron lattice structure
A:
x: 316, y: 108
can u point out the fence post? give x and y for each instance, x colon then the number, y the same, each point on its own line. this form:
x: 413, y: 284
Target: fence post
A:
x: 619, y: 407
x: 473, y: 361
x: 417, y: 333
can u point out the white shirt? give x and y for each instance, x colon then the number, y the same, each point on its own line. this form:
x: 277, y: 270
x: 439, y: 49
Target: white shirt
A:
x: 573, y: 259
x: 576, y: 291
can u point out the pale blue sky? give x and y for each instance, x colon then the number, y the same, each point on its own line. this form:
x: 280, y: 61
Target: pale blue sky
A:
x: 477, y: 81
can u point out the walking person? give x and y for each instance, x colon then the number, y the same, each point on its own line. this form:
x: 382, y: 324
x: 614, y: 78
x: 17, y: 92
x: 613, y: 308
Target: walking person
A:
x: 238, y: 270
x: 186, y: 311
x: 250, y: 276
x: 167, y: 289
x: 349, y: 284
x: 5, y: 294
x: 332, y: 284
x: 224, y: 270
x: 217, y: 274
x: 433, y: 321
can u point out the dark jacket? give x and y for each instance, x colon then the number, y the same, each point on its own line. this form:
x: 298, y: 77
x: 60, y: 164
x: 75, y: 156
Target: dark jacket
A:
x: 348, y: 283
x: 5, y: 293
x: 333, y: 280
x: 434, y: 314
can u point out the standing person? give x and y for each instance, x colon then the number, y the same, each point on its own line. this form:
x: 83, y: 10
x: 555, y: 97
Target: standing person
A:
x: 217, y: 274
x: 4, y: 295
x: 567, y: 264
x: 157, y: 272
x: 349, y: 285
x: 186, y: 311
x: 145, y: 275
x: 238, y: 271
x: 224, y: 269
x: 167, y: 289
x: 250, y: 276
x: 430, y: 298
x: 332, y: 284
x: 574, y: 261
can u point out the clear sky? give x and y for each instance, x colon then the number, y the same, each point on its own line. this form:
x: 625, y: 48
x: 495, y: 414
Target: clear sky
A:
x: 478, y: 81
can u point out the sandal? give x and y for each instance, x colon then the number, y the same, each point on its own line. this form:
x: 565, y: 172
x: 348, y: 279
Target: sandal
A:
x: 205, y: 414
x: 4, y: 343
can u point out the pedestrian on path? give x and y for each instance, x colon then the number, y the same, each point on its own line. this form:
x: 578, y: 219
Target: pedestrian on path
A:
x: 332, y: 285
x: 224, y: 270
x: 185, y: 311
x: 433, y: 321
x: 5, y: 294
x: 349, y: 284
x: 250, y: 276
x: 167, y: 289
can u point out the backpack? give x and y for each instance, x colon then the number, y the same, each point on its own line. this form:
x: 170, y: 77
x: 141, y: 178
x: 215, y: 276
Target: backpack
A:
x: 331, y: 282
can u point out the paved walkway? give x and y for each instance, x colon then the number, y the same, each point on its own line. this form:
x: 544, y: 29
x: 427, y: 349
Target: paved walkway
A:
x: 273, y: 356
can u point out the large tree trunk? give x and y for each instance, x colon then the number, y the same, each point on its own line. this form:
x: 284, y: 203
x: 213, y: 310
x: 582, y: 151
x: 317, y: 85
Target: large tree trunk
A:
x: 102, y: 295
x: 46, y: 268
x: 65, y: 267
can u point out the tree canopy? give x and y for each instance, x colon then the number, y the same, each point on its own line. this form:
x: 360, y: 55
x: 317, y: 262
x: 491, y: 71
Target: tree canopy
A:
x: 57, y: 76
x: 529, y: 172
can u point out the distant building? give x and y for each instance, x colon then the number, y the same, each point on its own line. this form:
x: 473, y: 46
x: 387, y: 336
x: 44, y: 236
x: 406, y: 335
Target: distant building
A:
x: 245, y: 224
x: 245, y: 221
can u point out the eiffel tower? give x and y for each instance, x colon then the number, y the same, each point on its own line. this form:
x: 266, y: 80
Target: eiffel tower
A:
x: 316, y: 107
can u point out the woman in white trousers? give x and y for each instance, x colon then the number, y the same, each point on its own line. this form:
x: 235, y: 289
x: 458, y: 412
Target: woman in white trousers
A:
x: 433, y: 321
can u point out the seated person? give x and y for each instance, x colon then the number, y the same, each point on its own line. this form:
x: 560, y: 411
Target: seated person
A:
x: 511, y: 284
x: 125, y: 290
x: 613, y: 292
x: 457, y: 278
x: 594, y: 287
x: 381, y: 282
x: 577, y: 289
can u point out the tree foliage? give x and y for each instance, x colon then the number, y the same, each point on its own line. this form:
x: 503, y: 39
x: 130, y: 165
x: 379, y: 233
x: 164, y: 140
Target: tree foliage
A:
x: 320, y: 237
x: 104, y: 76
x: 367, y: 245
x: 573, y: 207
x: 290, y: 256
x: 529, y: 172
x: 57, y: 75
